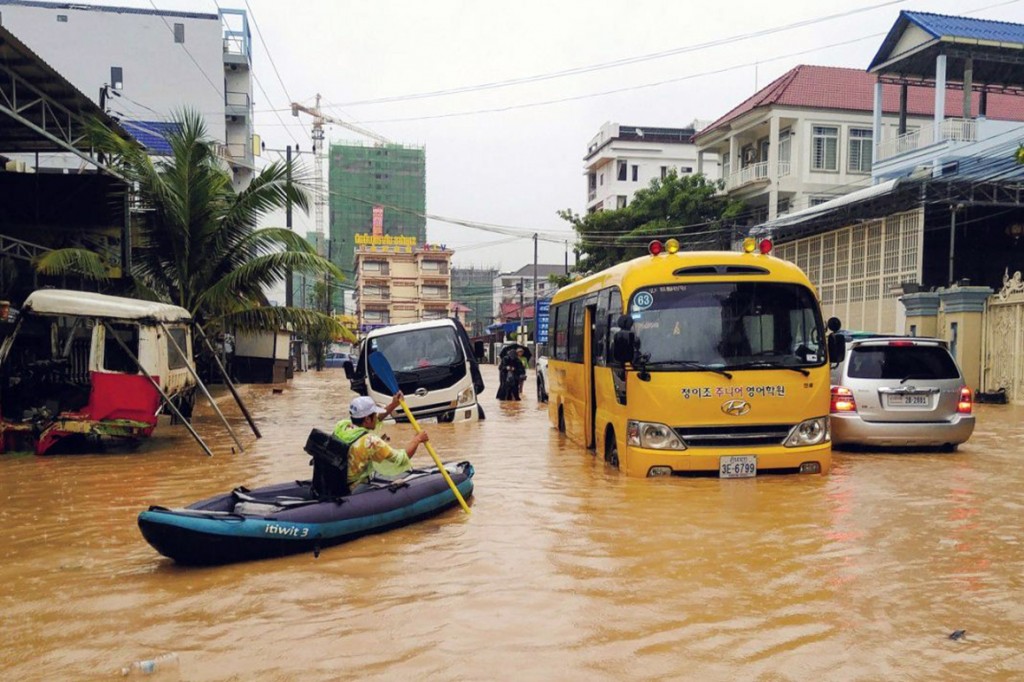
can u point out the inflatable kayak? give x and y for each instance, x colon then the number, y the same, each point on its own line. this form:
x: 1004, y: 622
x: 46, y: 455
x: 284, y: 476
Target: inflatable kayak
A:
x: 298, y: 516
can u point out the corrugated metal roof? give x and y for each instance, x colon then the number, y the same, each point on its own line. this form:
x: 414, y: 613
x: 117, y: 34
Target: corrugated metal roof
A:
x: 152, y: 135
x: 943, y: 26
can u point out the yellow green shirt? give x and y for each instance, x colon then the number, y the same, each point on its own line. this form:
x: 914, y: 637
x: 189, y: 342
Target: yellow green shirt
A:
x: 368, y: 453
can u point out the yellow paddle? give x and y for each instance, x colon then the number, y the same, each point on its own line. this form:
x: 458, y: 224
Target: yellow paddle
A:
x: 382, y: 368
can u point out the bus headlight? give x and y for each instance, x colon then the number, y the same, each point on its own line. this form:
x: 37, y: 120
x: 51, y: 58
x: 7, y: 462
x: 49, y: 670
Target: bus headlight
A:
x: 652, y: 435
x: 466, y: 396
x: 809, y: 432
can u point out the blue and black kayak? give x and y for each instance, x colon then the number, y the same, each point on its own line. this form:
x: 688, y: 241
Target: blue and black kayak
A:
x: 298, y: 516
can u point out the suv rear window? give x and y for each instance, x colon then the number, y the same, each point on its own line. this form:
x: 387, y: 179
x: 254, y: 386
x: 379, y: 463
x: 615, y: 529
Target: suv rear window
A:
x: 902, y: 362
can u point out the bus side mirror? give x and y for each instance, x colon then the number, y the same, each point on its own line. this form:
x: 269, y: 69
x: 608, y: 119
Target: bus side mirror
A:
x: 834, y: 324
x: 478, y: 350
x: 348, y: 370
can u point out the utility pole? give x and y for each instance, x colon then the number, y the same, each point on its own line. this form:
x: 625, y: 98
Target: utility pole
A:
x: 567, y: 257
x: 520, y: 333
x: 289, y: 295
x: 535, y: 290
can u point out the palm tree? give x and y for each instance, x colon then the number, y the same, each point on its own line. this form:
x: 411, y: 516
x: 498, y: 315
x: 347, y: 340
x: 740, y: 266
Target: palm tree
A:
x: 198, y: 246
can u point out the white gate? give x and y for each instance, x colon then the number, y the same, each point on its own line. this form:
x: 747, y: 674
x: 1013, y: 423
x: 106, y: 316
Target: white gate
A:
x: 1003, y: 353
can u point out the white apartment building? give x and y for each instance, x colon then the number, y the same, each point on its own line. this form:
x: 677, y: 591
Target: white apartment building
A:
x: 508, y: 286
x: 621, y: 159
x: 143, y: 65
x: 807, y: 137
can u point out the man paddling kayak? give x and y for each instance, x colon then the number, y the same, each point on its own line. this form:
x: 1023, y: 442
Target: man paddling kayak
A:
x: 368, y: 452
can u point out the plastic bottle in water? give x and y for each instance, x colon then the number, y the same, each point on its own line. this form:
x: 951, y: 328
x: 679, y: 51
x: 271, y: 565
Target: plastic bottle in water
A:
x: 162, y: 664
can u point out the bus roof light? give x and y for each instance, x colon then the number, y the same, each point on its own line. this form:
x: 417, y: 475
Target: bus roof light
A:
x: 655, y: 247
x: 749, y: 244
x: 672, y: 245
x: 765, y: 246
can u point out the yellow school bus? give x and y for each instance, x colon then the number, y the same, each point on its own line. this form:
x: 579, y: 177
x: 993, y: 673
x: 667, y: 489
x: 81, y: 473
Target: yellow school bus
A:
x: 681, y: 363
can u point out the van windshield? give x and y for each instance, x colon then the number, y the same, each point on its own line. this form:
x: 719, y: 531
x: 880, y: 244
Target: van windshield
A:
x: 728, y: 325
x: 411, y: 350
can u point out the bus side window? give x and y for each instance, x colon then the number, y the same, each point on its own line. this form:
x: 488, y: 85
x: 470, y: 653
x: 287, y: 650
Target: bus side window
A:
x: 575, y: 331
x: 614, y: 310
x: 561, y: 331
x: 601, y: 328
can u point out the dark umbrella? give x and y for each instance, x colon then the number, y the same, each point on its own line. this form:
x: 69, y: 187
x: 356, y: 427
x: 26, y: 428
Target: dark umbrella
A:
x: 512, y: 348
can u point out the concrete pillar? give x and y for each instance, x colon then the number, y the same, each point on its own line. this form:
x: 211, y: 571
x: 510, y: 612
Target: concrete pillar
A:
x: 876, y: 126
x: 968, y: 77
x: 963, y: 309
x: 940, y: 96
x: 700, y: 161
x: 922, y: 313
x: 734, y: 165
x: 773, y: 167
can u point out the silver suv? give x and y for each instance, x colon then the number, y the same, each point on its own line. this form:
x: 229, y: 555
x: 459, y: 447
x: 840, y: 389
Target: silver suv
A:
x: 900, y: 391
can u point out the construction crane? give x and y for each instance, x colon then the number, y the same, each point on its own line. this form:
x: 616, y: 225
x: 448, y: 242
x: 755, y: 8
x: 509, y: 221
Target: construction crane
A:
x: 320, y: 155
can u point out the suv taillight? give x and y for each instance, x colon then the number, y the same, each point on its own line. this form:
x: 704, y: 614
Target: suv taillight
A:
x: 966, y: 401
x: 842, y: 400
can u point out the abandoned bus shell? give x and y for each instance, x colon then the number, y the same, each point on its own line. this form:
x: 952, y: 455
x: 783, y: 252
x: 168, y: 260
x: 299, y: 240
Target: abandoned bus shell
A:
x: 81, y: 363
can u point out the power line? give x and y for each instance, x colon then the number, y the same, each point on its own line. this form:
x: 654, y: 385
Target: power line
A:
x: 183, y: 46
x: 619, y: 62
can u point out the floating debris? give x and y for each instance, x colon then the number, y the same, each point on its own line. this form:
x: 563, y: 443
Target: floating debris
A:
x: 958, y: 634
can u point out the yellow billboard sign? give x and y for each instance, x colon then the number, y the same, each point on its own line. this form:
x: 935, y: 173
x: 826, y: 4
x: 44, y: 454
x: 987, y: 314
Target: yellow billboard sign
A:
x: 384, y: 240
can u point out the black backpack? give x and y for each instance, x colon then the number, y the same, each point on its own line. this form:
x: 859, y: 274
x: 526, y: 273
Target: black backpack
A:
x: 330, y: 464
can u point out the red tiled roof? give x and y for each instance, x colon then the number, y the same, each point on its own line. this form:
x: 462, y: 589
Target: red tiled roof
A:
x: 829, y: 87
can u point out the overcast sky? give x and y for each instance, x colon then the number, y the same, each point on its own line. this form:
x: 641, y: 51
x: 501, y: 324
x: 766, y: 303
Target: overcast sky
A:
x: 518, y: 166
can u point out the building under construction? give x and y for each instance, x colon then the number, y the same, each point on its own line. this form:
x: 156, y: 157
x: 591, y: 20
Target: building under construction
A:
x: 374, y: 190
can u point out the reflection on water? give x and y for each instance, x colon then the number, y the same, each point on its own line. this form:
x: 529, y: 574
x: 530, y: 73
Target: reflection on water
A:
x: 565, y: 569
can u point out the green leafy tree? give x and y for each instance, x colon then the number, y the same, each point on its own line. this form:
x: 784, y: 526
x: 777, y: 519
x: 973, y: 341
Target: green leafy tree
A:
x: 690, y: 208
x: 198, y: 245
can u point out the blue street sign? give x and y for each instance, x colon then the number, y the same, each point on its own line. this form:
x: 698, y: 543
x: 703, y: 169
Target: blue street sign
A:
x: 543, y: 316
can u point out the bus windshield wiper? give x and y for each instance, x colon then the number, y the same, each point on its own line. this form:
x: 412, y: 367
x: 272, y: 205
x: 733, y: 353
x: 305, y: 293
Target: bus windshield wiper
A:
x: 768, y: 364
x: 688, y: 364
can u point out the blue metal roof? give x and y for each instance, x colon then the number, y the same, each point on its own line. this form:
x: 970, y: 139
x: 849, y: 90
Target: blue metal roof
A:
x: 944, y: 26
x: 941, y: 25
x: 152, y: 134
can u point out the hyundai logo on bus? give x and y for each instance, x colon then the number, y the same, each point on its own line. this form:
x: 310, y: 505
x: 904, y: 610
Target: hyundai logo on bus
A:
x: 736, y: 408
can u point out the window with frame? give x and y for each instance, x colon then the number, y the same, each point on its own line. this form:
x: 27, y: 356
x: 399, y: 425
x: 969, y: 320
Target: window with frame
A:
x: 620, y: 201
x: 636, y: 173
x: 433, y: 314
x: 375, y: 291
x: 859, y: 160
x: 376, y: 316
x: 726, y: 164
x: 375, y: 266
x: 434, y: 266
x: 179, y: 33
x: 825, y: 148
x: 116, y: 77
x: 623, y: 168
x: 561, y: 317
x: 115, y: 359
x: 175, y: 360
x: 664, y: 172
x: 575, y: 351
x: 433, y: 291
x: 601, y: 320
x: 785, y: 144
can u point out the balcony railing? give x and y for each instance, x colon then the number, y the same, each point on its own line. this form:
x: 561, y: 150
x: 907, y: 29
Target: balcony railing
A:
x: 950, y: 129
x: 756, y: 172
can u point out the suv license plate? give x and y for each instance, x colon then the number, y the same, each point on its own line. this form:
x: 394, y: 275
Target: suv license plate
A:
x: 737, y: 466
x: 908, y: 400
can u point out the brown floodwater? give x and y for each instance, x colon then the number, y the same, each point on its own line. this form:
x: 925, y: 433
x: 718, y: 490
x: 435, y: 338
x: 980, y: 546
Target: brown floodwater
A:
x: 566, y: 570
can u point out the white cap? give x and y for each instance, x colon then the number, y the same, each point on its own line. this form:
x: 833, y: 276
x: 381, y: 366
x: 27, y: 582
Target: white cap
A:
x: 363, y: 407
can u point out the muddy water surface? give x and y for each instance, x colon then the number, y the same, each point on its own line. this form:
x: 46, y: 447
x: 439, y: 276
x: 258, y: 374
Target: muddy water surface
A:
x: 565, y: 570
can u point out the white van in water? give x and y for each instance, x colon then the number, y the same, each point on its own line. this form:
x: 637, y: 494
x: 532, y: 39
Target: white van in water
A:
x: 435, y: 367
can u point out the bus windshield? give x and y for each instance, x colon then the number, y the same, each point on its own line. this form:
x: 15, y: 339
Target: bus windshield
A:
x: 417, y: 349
x: 729, y: 325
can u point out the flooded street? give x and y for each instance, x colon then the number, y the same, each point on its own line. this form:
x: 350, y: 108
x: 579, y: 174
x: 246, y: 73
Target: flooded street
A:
x: 565, y: 570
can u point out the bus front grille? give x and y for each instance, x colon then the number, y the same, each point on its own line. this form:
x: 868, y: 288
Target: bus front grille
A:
x: 719, y: 436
